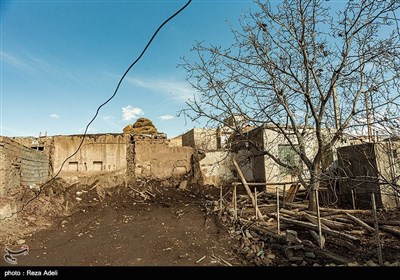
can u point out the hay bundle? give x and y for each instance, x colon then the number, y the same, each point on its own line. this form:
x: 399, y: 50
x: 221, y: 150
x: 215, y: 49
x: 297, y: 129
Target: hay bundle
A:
x: 141, y: 126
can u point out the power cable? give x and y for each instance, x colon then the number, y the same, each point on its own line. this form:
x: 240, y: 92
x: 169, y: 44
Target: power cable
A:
x: 98, y: 109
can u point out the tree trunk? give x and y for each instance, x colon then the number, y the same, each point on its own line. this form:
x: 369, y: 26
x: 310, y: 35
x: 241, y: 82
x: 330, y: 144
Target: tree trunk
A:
x: 315, y: 173
x: 312, y: 204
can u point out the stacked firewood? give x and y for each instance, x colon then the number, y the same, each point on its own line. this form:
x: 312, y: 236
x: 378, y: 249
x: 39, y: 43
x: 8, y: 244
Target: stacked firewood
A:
x: 270, y: 234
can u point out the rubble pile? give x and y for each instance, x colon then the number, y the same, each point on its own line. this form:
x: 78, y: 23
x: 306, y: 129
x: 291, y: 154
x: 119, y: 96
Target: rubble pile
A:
x: 347, y: 236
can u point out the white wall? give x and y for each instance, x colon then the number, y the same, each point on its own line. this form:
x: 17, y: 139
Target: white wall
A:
x: 216, y: 168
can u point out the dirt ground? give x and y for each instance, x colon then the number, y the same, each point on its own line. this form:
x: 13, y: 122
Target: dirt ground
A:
x: 171, y: 229
x: 92, y: 225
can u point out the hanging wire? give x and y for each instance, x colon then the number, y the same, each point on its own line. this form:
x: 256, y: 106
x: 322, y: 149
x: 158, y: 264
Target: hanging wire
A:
x: 98, y: 109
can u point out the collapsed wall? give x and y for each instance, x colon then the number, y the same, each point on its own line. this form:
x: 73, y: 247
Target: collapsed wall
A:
x: 154, y: 159
x: 20, y: 167
x: 103, y: 161
x: 102, y: 154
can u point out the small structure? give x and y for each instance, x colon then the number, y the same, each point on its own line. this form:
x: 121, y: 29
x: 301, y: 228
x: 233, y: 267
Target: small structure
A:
x: 215, y: 166
x: 205, y: 139
x: 20, y: 167
x: 370, y: 168
x: 258, y: 167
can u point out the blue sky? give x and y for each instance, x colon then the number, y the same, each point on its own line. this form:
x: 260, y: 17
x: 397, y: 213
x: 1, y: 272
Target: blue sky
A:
x: 61, y: 59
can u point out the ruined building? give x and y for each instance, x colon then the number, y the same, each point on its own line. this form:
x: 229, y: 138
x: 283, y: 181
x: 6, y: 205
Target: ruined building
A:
x: 28, y: 162
x: 370, y: 167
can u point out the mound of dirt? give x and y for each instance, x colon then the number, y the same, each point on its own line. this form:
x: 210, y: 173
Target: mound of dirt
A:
x: 167, y: 227
x: 141, y: 126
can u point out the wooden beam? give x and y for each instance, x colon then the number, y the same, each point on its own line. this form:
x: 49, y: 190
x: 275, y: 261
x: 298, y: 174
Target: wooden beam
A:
x: 338, y: 258
x: 333, y: 224
x: 314, y: 220
x: 319, y: 219
x: 380, y: 222
x: 361, y: 223
x: 390, y: 230
x: 336, y: 225
x: 377, y: 238
x: 326, y: 231
x: 327, y: 254
x: 268, y: 184
x: 235, y: 202
x: 246, y: 186
x: 277, y: 211
x: 280, y: 238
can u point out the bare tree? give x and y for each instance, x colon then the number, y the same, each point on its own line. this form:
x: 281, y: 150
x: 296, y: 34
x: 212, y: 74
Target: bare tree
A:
x: 304, y: 66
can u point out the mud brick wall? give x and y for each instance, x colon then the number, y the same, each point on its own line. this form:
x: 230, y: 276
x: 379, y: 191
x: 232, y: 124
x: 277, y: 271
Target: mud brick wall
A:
x: 20, y: 166
x: 201, y: 138
x: 154, y: 159
x: 99, y: 154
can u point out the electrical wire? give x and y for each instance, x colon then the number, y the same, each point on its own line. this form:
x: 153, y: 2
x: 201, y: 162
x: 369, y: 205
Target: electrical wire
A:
x: 98, y: 109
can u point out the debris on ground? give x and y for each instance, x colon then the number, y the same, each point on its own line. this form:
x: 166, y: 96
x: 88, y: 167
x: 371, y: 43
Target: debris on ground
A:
x: 347, y: 236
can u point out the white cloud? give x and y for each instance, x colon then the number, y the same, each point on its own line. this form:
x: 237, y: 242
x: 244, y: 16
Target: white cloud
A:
x: 14, y: 61
x: 166, y: 117
x: 181, y: 91
x: 47, y: 68
x: 54, y: 116
x: 29, y: 63
x: 129, y: 113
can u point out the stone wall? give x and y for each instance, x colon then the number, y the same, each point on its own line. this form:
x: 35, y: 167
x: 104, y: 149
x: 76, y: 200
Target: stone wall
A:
x: 20, y: 167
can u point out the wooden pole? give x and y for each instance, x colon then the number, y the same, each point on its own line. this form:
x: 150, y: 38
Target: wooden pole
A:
x: 277, y: 212
x: 235, y: 201
x: 319, y: 220
x: 378, y: 240
x: 283, y: 196
x: 246, y: 186
x: 353, y: 199
x: 255, y: 198
x: 271, y: 184
x: 220, y: 200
